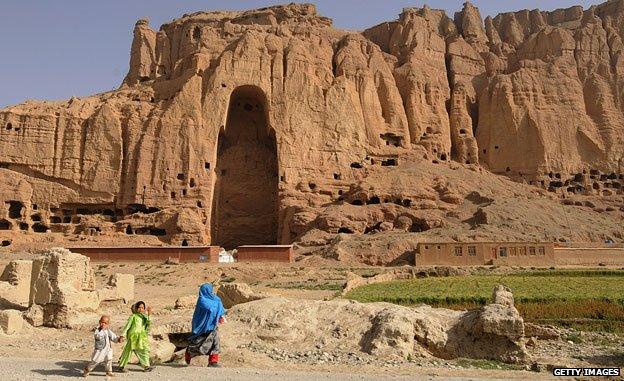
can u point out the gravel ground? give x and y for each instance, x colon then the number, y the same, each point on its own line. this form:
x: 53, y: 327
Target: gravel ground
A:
x: 40, y: 369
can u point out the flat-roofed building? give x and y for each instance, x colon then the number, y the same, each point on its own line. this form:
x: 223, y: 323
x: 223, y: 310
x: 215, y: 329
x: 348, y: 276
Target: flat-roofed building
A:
x: 485, y: 253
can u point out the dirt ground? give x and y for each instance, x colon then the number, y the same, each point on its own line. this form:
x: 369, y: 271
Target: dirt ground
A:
x: 47, y: 369
x: 160, y: 284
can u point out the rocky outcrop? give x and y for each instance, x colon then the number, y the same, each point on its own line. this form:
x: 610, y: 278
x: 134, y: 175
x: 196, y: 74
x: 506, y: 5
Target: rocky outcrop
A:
x: 34, y: 315
x: 533, y: 95
x: 381, y: 329
x: 185, y: 302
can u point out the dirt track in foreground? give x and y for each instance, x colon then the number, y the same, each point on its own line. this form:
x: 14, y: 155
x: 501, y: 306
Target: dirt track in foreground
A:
x: 44, y: 369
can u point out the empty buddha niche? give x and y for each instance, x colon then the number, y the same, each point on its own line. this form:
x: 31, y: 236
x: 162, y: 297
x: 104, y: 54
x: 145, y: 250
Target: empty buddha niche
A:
x: 245, y: 199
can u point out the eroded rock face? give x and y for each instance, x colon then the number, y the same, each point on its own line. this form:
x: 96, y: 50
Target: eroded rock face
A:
x: 15, y: 283
x: 533, y: 95
x: 63, y: 285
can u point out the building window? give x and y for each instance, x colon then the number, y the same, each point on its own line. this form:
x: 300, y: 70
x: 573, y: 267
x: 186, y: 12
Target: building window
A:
x: 502, y: 251
x: 426, y: 247
x: 531, y: 250
x: 522, y: 250
x: 458, y: 251
x: 472, y: 251
x: 540, y: 250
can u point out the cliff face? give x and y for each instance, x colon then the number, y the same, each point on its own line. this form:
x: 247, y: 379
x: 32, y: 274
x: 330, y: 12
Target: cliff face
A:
x: 251, y: 121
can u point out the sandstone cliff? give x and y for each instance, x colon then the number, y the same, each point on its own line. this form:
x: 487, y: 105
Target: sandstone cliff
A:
x: 246, y: 127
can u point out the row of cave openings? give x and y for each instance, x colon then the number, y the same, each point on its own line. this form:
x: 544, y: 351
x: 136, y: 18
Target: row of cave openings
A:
x: 606, y: 183
x: 375, y: 200
x: 59, y: 218
x: 418, y: 225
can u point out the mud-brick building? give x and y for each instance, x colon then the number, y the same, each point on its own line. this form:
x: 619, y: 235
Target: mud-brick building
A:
x: 485, y: 253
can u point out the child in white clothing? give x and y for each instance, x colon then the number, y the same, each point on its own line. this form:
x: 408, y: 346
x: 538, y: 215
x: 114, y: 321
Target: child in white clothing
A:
x: 103, y: 351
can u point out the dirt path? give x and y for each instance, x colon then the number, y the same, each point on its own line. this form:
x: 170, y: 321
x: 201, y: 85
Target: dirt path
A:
x: 44, y: 369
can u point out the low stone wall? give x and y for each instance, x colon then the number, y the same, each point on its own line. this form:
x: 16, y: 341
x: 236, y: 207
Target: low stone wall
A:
x: 589, y: 256
x: 269, y: 253
x: 145, y: 254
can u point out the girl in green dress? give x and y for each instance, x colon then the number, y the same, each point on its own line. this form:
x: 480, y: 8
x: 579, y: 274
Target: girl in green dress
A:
x: 136, y: 334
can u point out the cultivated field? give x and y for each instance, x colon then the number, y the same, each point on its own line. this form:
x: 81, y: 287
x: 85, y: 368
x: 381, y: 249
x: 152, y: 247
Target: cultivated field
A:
x: 585, y: 300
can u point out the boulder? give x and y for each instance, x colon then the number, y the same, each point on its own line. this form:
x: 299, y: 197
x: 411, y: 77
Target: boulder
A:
x: 185, y: 302
x: 500, y: 320
x: 161, y: 351
x: 15, y: 284
x: 34, y: 315
x: 502, y: 295
x: 232, y: 294
x: 63, y: 284
x: 11, y: 321
x: 119, y: 287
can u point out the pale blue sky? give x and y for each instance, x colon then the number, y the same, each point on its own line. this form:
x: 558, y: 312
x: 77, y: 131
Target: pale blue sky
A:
x: 56, y: 49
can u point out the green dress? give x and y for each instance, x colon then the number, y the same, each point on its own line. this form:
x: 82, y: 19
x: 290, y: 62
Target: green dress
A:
x: 136, y: 334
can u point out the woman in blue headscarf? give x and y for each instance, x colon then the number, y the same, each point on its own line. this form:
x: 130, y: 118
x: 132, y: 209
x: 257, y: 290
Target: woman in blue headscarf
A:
x: 208, y: 315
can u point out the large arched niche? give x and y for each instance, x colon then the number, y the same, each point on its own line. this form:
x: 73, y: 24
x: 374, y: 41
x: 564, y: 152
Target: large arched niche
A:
x: 245, y: 201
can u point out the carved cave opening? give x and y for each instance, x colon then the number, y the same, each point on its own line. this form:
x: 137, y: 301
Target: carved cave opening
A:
x: 246, y: 188
x: 5, y: 225
x: 15, y: 209
x: 39, y: 228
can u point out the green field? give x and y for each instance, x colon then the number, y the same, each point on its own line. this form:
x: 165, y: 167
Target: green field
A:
x: 586, y: 300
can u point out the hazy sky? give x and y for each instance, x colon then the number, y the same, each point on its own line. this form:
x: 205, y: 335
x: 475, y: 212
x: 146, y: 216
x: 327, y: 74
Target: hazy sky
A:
x: 56, y: 49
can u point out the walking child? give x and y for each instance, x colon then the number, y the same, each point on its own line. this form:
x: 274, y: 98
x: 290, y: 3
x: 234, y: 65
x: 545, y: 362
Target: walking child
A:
x: 103, y: 350
x: 209, y: 313
x: 136, y: 333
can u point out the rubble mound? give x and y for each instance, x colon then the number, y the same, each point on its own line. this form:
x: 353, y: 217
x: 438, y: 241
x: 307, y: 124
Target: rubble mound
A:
x: 382, y: 329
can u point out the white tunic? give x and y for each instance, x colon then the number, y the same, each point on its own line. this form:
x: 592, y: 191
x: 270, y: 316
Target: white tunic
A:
x: 103, y: 350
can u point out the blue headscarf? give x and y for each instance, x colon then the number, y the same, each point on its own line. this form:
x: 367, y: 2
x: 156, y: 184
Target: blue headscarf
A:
x: 208, y: 310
